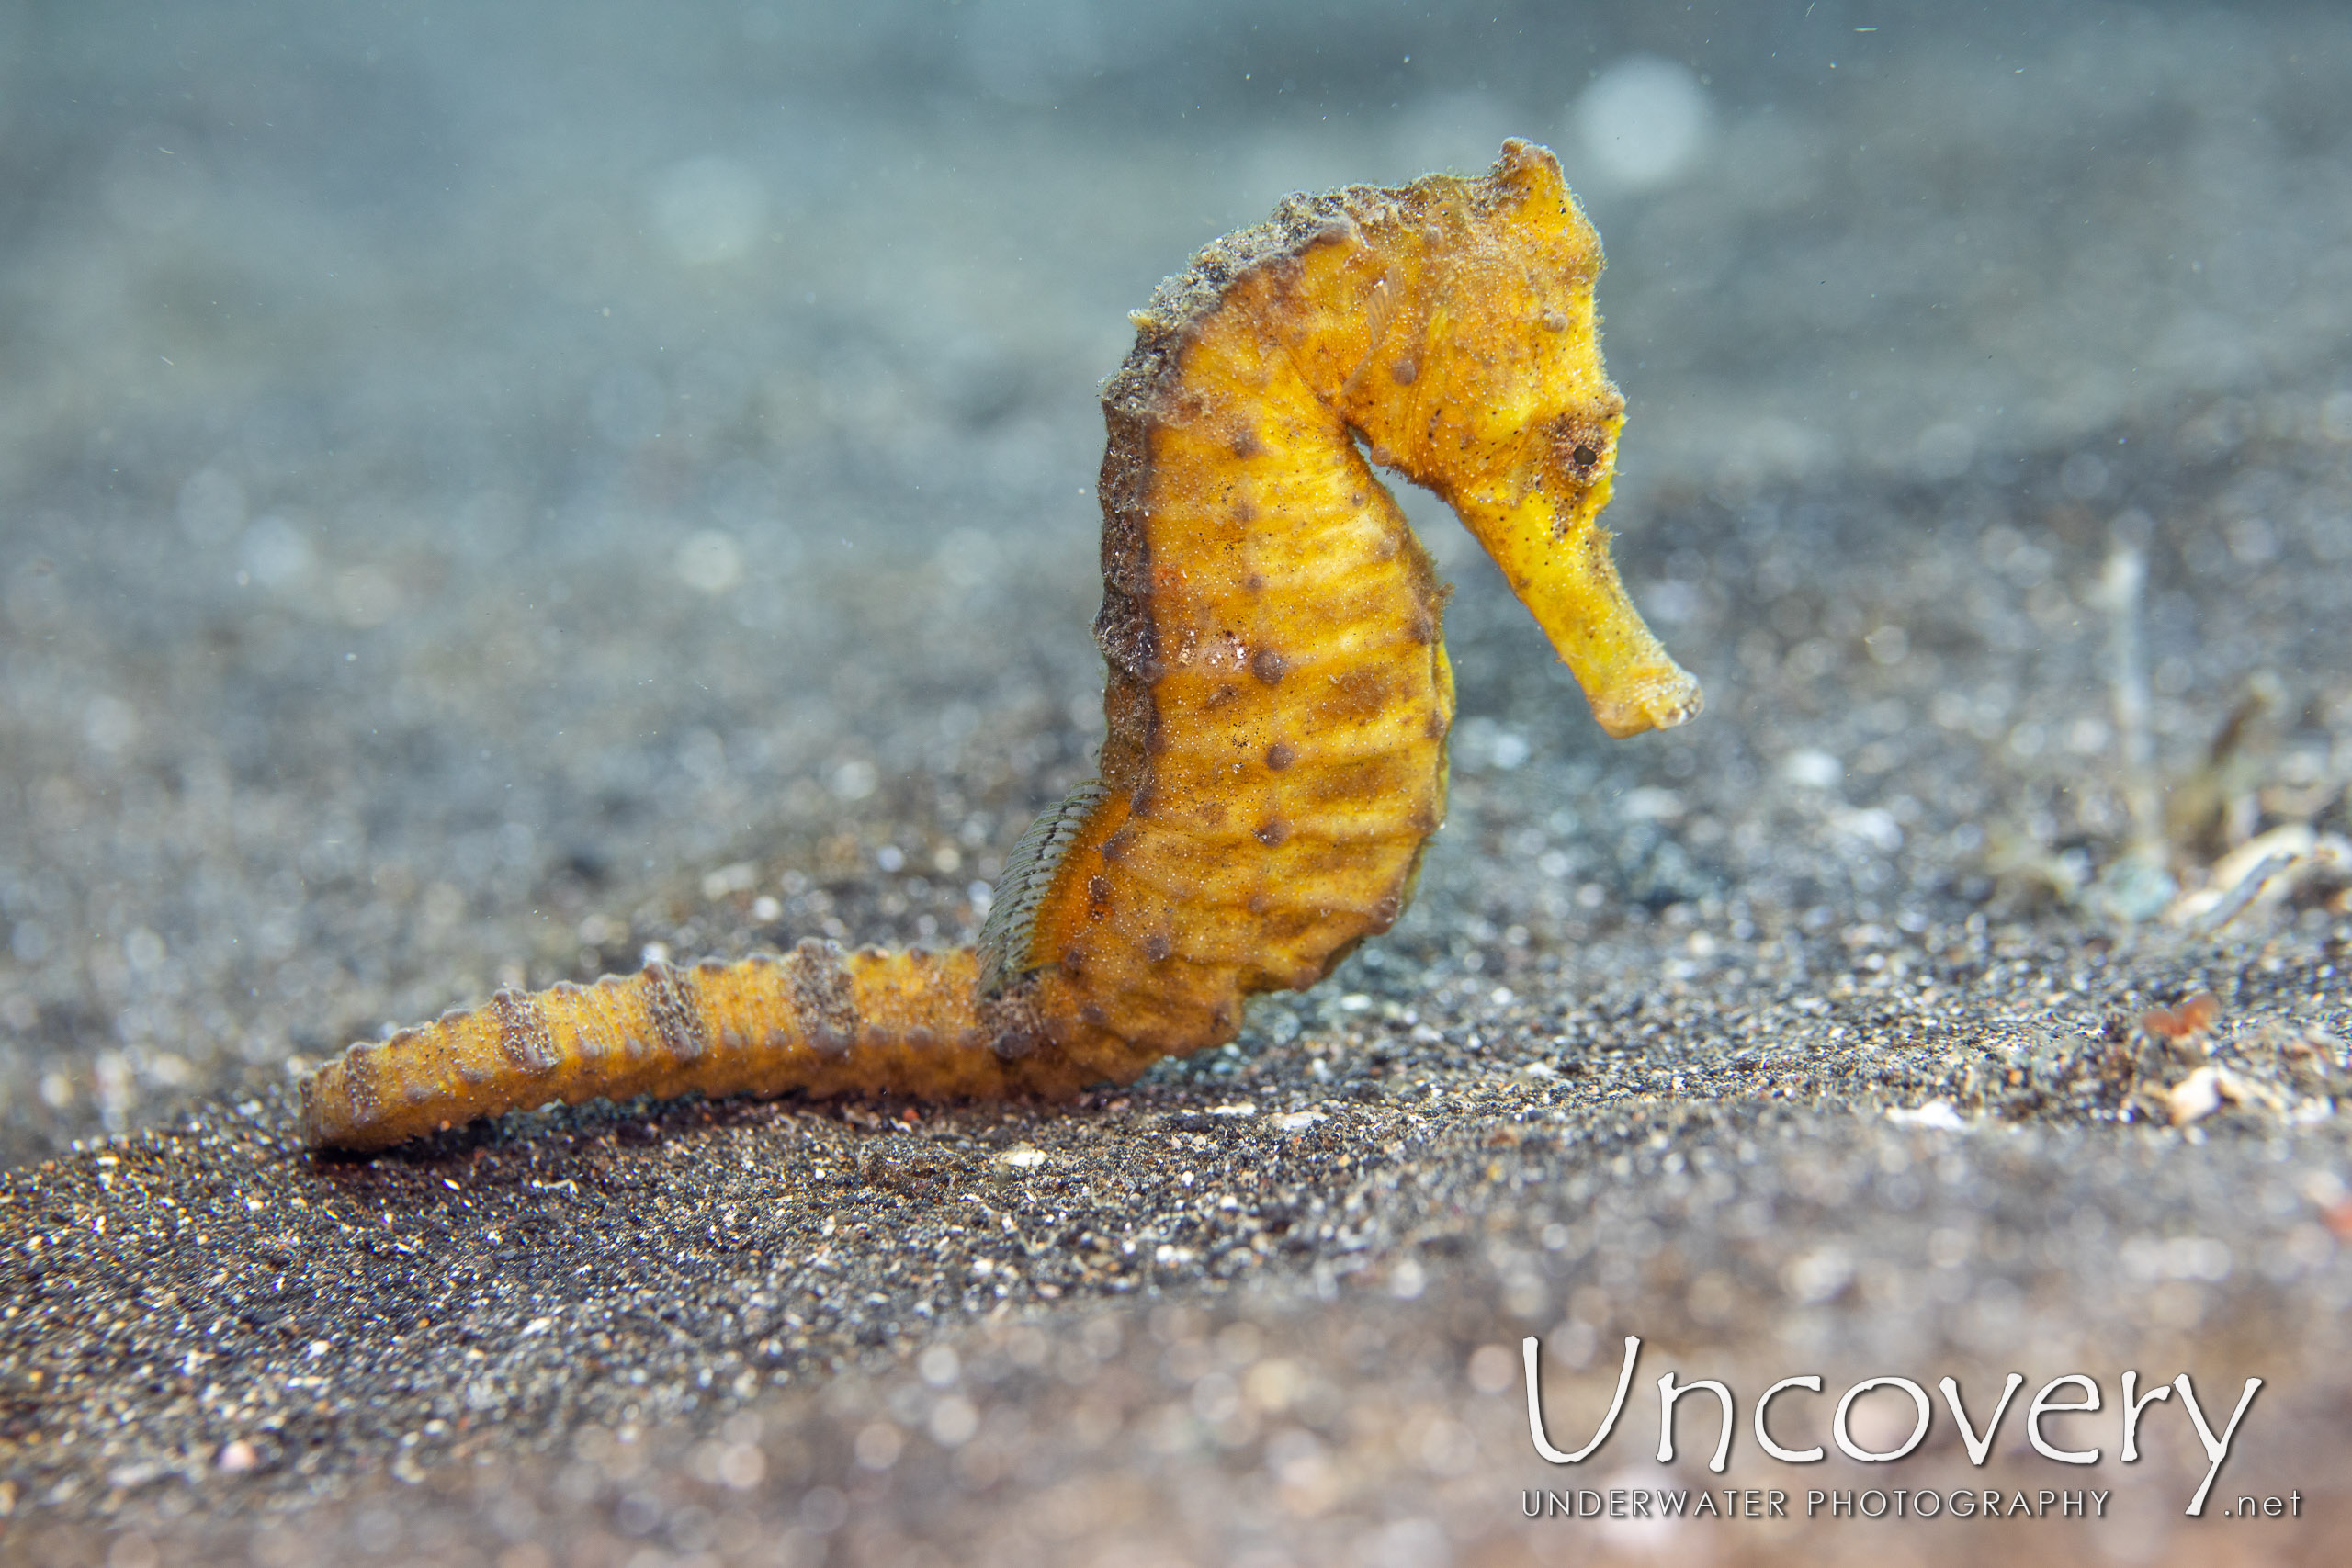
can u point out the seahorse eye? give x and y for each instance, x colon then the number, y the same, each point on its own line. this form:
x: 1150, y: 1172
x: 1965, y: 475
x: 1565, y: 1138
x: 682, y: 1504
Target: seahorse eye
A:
x: 1579, y: 442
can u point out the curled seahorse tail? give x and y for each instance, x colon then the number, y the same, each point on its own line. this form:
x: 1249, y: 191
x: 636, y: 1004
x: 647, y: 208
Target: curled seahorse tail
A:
x: 817, y: 1019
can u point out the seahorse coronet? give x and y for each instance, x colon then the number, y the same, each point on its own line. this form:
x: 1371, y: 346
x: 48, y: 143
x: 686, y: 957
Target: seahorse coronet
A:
x: 1278, y: 696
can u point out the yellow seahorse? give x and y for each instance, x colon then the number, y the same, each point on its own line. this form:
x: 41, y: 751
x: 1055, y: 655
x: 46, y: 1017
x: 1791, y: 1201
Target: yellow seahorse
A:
x: 1278, y: 696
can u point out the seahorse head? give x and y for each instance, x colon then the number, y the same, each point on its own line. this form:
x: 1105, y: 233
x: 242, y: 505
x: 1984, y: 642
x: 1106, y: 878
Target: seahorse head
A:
x: 1480, y: 377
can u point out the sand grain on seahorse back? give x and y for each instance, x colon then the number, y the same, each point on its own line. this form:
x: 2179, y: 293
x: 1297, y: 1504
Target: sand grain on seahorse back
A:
x: 1278, y: 697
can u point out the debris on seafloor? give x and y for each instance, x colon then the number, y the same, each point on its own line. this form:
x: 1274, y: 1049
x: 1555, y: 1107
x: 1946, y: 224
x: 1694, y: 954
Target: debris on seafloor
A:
x: 2137, y: 884
x: 1938, y: 1114
x: 2204, y: 1091
x: 2203, y: 847
x: 2276, y: 865
x: 2278, y: 1071
x: 2174, y: 1065
x: 2182, y: 1024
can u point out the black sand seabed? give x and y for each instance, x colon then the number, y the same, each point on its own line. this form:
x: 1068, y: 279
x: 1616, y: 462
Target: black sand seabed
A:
x: 423, y: 638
